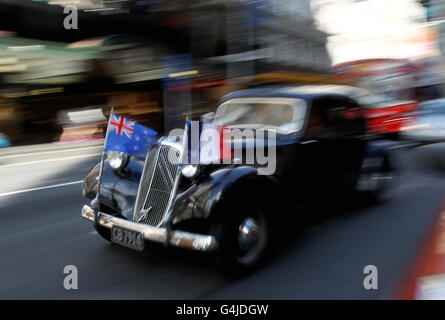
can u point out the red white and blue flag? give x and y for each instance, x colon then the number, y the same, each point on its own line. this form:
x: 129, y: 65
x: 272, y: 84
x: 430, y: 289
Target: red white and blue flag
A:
x: 126, y: 135
x: 205, y: 143
x: 121, y: 125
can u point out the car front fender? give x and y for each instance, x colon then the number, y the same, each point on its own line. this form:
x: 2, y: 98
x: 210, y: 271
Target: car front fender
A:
x: 202, y: 198
x: 118, y: 188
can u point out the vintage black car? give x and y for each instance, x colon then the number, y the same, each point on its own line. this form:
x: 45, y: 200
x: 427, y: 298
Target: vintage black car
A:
x: 322, y: 155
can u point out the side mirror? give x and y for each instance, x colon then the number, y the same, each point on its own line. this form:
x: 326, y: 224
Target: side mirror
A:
x: 207, y: 117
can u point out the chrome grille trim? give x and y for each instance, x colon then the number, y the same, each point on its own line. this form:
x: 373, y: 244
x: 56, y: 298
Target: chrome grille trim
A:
x: 159, y: 193
x: 146, y: 179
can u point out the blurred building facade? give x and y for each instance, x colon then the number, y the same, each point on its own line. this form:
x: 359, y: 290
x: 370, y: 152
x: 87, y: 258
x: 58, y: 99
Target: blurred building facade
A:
x: 240, y: 43
x: 154, y: 61
x: 391, y: 47
x: 375, y: 29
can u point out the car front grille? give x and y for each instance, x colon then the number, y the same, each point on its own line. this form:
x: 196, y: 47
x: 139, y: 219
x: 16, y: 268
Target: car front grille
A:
x: 157, y: 185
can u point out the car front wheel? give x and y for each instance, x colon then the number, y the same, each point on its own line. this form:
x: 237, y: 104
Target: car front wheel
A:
x: 244, y: 240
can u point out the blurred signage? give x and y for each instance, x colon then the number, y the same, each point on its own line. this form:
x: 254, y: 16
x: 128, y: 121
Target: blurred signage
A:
x: 177, y: 104
x: 253, y: 12
x: 35, y: 92
x: 373, y: 67
x: 392, y: 78
x: 177, y: 71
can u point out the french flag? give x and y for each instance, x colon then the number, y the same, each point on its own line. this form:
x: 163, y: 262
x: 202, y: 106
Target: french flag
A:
x: 206, y: 143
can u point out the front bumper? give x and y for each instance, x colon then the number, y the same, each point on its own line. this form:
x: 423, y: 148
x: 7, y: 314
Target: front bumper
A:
x: 176, y: 238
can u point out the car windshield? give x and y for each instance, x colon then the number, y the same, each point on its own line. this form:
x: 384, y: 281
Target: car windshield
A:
x: 432, y: 108
x: 281, y: 114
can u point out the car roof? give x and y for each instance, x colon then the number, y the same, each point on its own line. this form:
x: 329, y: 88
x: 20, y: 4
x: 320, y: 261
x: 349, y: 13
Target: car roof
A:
x: 305, y: 92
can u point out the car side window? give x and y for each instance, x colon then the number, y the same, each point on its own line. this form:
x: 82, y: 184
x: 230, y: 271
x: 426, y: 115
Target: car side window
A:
x: 335, y: 119
x: 336, y: 126
x: 316, y: 124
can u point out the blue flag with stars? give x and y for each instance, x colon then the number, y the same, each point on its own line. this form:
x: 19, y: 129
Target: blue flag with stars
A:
x: 126, y: 135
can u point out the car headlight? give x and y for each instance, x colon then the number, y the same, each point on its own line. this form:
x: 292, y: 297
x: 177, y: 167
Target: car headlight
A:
x: 117, y: 160
x: 189, y: 170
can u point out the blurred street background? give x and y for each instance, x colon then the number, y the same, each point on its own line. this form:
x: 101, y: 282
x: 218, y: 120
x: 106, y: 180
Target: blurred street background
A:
x: 157, y: 61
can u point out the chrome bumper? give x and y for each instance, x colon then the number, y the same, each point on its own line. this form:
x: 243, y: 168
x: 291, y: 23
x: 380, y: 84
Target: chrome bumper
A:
x: 176, y: 238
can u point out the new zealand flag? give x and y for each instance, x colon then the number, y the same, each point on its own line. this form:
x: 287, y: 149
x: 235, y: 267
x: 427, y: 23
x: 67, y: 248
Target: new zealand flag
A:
x: 127, y: 136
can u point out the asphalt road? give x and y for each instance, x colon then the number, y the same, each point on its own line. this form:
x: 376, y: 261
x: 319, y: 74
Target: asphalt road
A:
x: 41, y: 232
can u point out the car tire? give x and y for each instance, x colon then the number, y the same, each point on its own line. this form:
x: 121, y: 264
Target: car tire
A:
x: 244, y: 238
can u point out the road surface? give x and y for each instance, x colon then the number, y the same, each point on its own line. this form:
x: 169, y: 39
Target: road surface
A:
x: 41, y: 232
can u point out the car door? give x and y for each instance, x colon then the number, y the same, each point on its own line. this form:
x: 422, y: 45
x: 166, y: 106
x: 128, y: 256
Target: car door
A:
x: 332, y: 146
x: 311, y: 163
x: 343, y: 142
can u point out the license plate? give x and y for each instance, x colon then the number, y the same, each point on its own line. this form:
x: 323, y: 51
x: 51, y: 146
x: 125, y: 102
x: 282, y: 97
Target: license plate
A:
x: 127, y: 238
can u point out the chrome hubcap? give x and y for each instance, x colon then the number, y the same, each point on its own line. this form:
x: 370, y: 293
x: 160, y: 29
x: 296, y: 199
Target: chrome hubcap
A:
x: 249, y: 234
x: 252, y: 239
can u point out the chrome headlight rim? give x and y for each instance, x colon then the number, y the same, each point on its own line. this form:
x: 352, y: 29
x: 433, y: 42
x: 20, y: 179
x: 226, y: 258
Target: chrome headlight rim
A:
x: 117, y: 160
x: 190, y: 170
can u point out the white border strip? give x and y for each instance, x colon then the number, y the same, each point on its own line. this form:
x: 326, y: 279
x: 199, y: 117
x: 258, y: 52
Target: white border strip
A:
x: 40, y: 188
x: 49, y: 152
x: 49, y: 160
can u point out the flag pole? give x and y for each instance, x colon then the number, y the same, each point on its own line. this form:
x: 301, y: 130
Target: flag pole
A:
x: 95, y: 204
x: 184, y: 143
